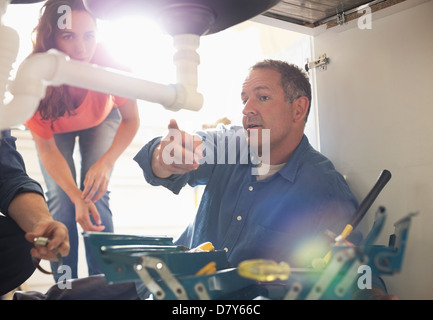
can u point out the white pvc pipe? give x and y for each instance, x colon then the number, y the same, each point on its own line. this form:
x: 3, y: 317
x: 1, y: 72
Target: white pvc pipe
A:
x: 18, y: 110
x: 181, y: 95
x: 9, y: 44
x: 85, y: 75
x: 55, y: 68
x: 186, y: 60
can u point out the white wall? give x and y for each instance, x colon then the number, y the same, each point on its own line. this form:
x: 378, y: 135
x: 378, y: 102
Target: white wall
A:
x: 375, y: 111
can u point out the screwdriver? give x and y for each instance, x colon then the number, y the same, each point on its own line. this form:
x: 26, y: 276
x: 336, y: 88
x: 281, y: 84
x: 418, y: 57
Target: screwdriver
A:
x: 382, y: 180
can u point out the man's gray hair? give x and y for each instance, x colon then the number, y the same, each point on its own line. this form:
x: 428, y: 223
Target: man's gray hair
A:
x: 294, y: 80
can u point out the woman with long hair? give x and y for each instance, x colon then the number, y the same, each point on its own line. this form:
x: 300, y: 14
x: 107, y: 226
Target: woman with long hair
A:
x: 101, y: 124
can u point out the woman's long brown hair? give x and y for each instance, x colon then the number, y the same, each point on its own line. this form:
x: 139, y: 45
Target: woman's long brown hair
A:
x: 57, y: 101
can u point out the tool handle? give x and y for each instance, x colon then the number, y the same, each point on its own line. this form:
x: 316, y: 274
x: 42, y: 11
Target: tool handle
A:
x: 382, y: 180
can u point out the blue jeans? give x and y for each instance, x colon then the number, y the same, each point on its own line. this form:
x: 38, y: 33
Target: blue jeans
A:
x: 93, y: 143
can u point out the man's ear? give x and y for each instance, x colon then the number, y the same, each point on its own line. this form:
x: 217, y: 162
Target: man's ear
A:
x: 300, y: 108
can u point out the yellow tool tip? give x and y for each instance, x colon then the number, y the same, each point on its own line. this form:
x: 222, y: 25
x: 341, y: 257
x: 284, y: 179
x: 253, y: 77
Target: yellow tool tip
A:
x: 264, y: 270
x: 207, y: 246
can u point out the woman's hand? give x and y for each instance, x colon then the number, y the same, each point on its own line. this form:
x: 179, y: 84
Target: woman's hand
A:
x: 83, y: 211
x: 96, y: 181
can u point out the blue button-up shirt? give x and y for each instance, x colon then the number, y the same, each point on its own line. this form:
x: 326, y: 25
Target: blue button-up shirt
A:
x: 284, y: 217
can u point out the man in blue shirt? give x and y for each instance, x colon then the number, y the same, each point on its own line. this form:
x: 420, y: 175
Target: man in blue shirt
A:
x: 268, y: 193
x: 24, y: 216
x: 282, y: 214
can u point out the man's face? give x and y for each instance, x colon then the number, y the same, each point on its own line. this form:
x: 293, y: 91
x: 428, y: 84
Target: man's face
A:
x: 265, y: 107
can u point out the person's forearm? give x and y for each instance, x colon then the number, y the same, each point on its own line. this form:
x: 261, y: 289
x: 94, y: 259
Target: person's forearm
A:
x: 27, y: 209
x: 123, y: 138
x: 58, y: 169
x: 125, y: 133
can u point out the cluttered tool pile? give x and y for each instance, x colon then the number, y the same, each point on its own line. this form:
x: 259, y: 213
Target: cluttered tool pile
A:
x: 174, y: 272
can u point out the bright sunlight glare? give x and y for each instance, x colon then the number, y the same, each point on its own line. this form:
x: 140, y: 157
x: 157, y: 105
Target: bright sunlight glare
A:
x: 148, y: 51
x: 141, y: 45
